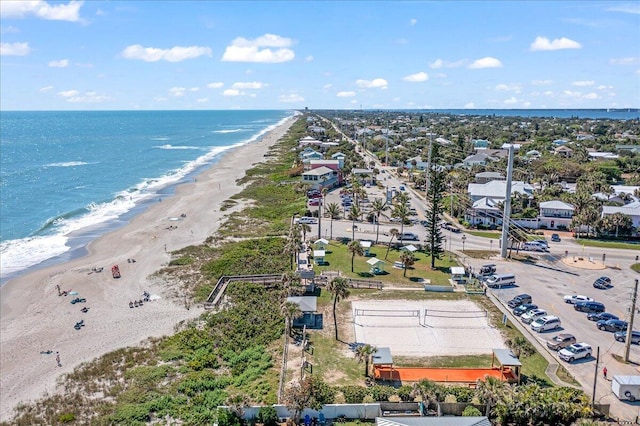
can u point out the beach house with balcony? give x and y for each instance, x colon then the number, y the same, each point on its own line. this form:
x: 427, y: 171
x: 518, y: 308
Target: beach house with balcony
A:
x: 321, y: 177
x: 555, y: 214
x: 632, y: 210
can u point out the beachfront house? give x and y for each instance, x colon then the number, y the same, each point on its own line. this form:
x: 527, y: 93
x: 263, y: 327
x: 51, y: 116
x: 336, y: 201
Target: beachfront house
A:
x: 416, y: 163
x: 563, y: 151
x: 484, y: 177
x: 340, y: 157
x: 364, y: 176
x: 555, y: 214
x: 321, y: 177
x: 632, y: 210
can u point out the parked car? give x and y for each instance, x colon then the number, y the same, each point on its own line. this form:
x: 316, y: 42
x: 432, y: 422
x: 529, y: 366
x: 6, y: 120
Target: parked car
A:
x: 597, y: 316
x: 612, y: 325
x: 306, y: 220
x: 621, y: 336
x: 555, y: 238
x: 602, y: 283
x: 589, y: 307
x: 532, y: 315
x: 519, y: 300
x: 561, y: 341
x: 543, y: 243
x: 575, y: 298
x: 525, y: 307
x: 314, y: 202
x: 575, y: 351
x: 487, y: 270
x: 546, y: 323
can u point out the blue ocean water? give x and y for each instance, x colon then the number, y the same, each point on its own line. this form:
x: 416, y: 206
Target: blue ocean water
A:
x: 80, y: 173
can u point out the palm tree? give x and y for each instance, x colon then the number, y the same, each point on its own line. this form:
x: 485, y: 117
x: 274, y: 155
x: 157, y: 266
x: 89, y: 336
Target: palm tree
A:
x: 354, y: 214
x: 339, y: 288
x: 354, y: 248
x: 333, y: 210
x: 400, y: 212
x: 394, y: 233
x: 491, y: 390
x: 363, y: 354
x: 292, y: 244
x: 291, y: 284
x: 291, y: 310
x: 407, y: 260
x: 378, y: 207
x: 304, y: 228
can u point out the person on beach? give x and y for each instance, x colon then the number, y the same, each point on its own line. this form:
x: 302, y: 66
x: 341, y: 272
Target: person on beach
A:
x: 58, y: 287
x: 604, y: 372
x: 58, y: 359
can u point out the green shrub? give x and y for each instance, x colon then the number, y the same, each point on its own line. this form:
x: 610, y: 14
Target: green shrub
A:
x: 268, y: 416
x: 130, y: 414
x: 471, y: 411
x: 66, y: 417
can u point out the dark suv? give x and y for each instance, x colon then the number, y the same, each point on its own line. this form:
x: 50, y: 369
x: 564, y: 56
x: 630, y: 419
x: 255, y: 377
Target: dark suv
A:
x: 612, y: 325
x: 525, y: 307
x: 519, y: 300
x: 602, y: 283
x: 621, y: 336
x: 589, y: 307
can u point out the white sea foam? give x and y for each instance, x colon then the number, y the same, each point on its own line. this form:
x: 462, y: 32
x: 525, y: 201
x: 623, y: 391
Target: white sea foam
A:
x: 160, y: 139
x: 17, y: 255
x: 229, y: 131
x: 167, y: 146
x: 68, y: 164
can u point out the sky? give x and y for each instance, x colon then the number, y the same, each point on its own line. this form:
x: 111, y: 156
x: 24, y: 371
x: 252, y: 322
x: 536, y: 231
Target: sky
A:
x: 181, y: 55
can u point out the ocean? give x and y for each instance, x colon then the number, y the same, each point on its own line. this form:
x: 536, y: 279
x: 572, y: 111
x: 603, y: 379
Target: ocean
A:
x: 68, y: 177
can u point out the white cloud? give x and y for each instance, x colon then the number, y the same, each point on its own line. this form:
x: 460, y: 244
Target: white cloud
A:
x: 258, y: 50
x: 591, y: 95
x: 327, y: 86
x: 626, y: 8
x: 573, y: 94
x: 583, y: 83
x: 487, y: 62
x: 604, y: 87
x: 413, y: 21
x: 469, y: 105
x: 291, y: 98
x: 375, y: 83
x: 549, y: 93
x: 89, y: 98
x: 441, y: 75
x: 439, y: 63
x: 62, y: 63
x: 346, y: 94
x: 232, y: 92
x: 541, y: 82
x: 177, y: 91
x: 46, y: 88
x: 624, y: 61
x: 202, y: 100
x: 511, y: 101
x: 216, y: 85
x: 194, y: 89
x: 174, y: 54
x: 160, y: 99
x: 8, y: 30
x: 14, y: 49
x: 248, y: 85
x: 41, y: 9
x: 417, y: 77
x: 543, y: 43
x: 510, y: 87
x: 68, y: 93
x: 309, y: 58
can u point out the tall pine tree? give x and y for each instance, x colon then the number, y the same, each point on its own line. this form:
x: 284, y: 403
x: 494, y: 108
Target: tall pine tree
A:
x: 435, y: 194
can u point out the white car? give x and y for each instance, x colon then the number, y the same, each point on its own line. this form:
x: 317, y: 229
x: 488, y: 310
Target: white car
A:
x: 575, y: 298
x: 575, y: 351
x: 532, y: 315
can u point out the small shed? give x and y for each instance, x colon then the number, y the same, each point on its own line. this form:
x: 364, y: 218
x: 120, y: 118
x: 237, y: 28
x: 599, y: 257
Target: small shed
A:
x: 410, y: 248
x: 382, y: 362
x: 366, y: 246
x: 508, y: 363
x: 377, y: 265
x: 458, y: 274
x: 318, y: 257
x: 321, y: 244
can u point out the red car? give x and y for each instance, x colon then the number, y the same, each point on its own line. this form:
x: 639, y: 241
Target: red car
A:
x: 314, y: 202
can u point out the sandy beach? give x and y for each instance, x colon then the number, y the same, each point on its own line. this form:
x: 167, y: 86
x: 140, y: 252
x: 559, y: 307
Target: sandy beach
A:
x: 34, y: 318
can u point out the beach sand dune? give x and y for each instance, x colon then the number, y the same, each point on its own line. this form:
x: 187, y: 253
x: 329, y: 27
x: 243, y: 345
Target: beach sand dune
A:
x: 33, y: 318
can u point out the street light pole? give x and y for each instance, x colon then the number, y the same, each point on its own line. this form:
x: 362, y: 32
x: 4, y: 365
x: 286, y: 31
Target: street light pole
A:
x: 627, y: 344
x: 464, y: 238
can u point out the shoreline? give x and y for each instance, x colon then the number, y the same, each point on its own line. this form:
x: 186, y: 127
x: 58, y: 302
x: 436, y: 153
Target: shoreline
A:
x: 33, y: 318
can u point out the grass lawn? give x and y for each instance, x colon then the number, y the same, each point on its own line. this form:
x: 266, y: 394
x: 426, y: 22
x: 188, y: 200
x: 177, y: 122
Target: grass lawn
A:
x: 608, y: 244
x: 484, y: 234
x: 636, y: 267
x: 338, y: 258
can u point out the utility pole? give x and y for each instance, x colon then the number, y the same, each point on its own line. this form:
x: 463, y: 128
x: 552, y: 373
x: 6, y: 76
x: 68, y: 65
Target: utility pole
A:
x: 595, y: 376
x: 386, y: 147
x: 507, y: 206
x: 427, y: 182
x: 627, y: 344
